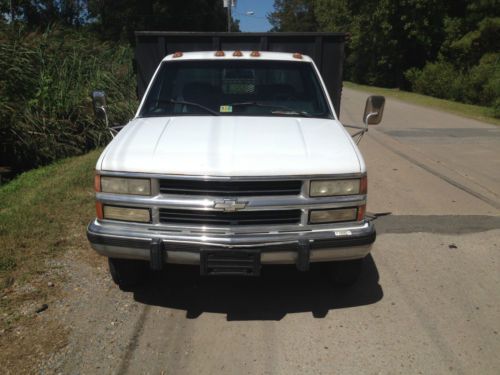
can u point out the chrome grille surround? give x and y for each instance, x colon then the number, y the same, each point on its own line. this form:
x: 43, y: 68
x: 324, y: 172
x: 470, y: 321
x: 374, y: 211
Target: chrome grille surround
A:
x: 300, y: 201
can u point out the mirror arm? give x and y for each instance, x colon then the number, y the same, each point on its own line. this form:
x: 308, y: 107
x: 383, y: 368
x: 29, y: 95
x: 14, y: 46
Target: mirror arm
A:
x: 371, y: 114
x: 353, y: 126
x: 112, y: 131
x: 365, y: 128
x: 115, y: 129
x: 105, y: 116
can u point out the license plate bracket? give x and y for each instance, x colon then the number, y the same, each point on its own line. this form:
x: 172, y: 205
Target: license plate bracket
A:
x: 230, y: 262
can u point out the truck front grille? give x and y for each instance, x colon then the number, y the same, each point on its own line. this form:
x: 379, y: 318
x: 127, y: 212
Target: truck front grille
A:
x: 230, y: 188
x: 200, y: 217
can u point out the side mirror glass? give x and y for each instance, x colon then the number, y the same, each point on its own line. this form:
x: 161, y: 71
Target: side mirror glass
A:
x: 374, y: 110
x: 99, y: 104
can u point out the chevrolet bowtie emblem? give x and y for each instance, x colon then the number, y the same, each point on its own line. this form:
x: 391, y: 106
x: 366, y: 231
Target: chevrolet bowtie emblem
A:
x: 229, y: 205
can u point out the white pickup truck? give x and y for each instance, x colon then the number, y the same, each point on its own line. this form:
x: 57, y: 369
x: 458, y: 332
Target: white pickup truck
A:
x: 233, y: 161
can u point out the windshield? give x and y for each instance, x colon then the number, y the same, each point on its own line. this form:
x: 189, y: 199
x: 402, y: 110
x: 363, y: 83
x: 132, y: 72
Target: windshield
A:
x: 236, y: 88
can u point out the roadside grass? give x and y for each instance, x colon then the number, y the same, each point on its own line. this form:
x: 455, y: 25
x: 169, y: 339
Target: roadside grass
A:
x: 475, y: 112
x: 43, y: 213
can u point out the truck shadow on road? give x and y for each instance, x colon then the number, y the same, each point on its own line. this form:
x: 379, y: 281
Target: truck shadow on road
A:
x: 280, y: 290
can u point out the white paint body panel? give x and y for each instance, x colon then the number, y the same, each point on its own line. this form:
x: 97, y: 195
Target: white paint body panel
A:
x: 233, y: 145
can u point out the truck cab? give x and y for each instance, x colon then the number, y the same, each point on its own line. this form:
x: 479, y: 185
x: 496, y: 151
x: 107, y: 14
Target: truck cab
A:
x: 233, y: 161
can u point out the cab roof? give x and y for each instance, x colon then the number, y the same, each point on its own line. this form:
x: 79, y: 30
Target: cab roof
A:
x: 228, y: 55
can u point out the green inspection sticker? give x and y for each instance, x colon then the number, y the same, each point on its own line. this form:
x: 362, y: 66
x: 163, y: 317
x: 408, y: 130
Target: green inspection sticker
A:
x: 226, y: 108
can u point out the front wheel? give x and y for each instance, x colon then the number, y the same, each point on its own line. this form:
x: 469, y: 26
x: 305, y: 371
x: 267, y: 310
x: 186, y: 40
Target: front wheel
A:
x: 343, y: 273
x: 127, y: 273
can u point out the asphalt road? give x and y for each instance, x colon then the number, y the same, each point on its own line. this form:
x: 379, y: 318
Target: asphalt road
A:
x: 428, y: 301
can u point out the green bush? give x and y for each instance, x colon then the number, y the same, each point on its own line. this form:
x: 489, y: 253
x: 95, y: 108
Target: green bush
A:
x: 482, y: 84
x: 435, y: 79
x: 479, y: 85
x: 496, y: 108
x: 45, y: 84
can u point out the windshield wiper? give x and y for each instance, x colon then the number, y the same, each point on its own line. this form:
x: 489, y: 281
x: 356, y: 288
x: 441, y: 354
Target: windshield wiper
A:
x: 173, y: 101
x: 287, y: 110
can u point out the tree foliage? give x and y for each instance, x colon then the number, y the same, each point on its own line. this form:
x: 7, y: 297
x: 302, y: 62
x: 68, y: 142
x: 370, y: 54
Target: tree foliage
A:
x: 447, y: 49
x: 115, y: 22
x: 53, y: 53
x: 45, y: 84
x: 293, y: 15
x: 119, y: 19
x: 45, y: 12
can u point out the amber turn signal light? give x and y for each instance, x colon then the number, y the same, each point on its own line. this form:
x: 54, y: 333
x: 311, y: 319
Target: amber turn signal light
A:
x: 361, y: 212
x: 97, y: 182
x: 363, y: 185
x: 98, y: 210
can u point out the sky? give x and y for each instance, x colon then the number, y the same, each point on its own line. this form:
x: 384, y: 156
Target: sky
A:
x: 257, y: 22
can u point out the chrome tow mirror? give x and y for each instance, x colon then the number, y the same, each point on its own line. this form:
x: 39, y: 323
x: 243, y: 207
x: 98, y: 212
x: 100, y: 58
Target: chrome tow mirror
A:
x: 99, y: 104
x: 374, y: 110
x: 100, y: 109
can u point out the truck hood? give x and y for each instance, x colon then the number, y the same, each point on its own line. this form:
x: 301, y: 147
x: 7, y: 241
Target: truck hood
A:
x: 232, y: 146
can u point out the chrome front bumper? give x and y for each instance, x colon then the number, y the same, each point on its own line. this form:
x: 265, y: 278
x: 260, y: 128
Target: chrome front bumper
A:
x: 335, y: 243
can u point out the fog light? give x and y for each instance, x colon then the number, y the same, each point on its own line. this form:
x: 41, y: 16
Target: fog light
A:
x: 141, y: 215
x: 333, y: 216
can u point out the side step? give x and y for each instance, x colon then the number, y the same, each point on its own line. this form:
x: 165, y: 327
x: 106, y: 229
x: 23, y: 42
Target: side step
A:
x: 230, y: 262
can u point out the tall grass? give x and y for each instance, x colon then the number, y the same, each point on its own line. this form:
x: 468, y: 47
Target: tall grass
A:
x: 45, y: 84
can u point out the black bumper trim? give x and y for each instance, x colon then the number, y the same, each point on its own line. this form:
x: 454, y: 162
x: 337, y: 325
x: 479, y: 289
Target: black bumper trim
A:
x: 195, y: 248
x: 157, y: 254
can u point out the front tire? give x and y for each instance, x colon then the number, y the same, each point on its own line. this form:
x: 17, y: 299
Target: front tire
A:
x: 127, y: 273
x: 344, y: 273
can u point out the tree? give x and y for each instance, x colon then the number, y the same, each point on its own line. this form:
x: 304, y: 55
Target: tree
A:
x: 118, y: 19
x: 293, y: 15
x: 388, y: 36
x: 115, y: 22
x: 42, y: 13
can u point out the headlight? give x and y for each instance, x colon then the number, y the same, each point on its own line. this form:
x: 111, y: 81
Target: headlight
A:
x: 333, y: 216
x: 327, y: 188
x: 141, y: 215
x: 120, y: 185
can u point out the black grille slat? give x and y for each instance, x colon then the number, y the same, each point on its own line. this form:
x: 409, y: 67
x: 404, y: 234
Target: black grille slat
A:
x: 173, y: 216
x: 230, y: 188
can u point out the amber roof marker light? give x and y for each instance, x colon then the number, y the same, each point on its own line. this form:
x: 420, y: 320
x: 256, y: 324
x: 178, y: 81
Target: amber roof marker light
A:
x: 177, y: 54
x: 237, y: 54
x: 220, y: 54
x: 297, y: 55
x: 255, y: 54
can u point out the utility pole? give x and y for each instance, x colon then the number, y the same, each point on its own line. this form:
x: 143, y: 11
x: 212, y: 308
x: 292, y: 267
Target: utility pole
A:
x: 228, y: 4
x: 11, y: 13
